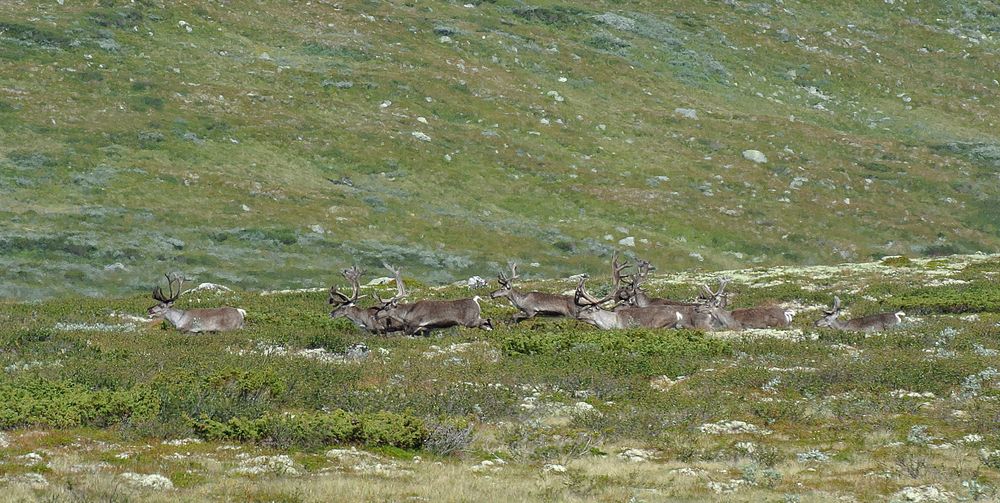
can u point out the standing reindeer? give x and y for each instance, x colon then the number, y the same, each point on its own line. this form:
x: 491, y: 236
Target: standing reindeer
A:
x: 872, y: 323
x: 425, y: 315
x: 364, y: 318
x: 218, y: 319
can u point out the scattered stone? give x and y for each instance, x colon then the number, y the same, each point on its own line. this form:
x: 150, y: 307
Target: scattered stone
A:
x: 476, y: 282
x: 727, y: 487
x: 117, y: 266
x: 338, y: 84
x: 627, y: 241
x: 281, y: 464
x: 688, y: 472
x: 664, y: 383
x: 755, y: 155
x: 4, y: 441
x: 151, y: 481
x: 421, y: 136
x: 902, y: 393
x: 208, y: 287
x: 357, y: 352
x: 921, y: 494
x: 317, y: 228
x: 689, y: 113
x: 179, y: 442
x: 31, y: 458
x: 184, y: 24
x: 265, y: 57
x: 445, y: 39
x: 815, y: 455
x: 637, y: 455
x: 972, y: 438
x: 549, y: 467
x: 732, y: 428
x: 33, y: 480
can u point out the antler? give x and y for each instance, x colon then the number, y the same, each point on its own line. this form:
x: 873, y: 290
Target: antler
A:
x: 503, y: 278
x: 643, y: 268
x: 400, y: 287
x: 158, y: 292
x: 616, y: 270
x: 836, y: 306
x: 581, y: 293
x: 353, y: 275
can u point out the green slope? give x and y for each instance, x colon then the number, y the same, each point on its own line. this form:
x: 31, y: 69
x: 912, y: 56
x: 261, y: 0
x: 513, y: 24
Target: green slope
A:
x: 270, y: 144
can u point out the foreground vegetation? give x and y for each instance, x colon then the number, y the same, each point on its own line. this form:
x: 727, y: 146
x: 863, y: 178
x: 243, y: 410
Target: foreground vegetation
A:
x: 96, y: 404
x: 264, y: 146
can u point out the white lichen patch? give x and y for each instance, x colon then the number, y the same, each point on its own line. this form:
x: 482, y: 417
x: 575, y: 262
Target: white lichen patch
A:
x: 152, y: 481
x: 281, y: 464
x: 733, y: 428
x: 95, y: 327
x: 637, y: 455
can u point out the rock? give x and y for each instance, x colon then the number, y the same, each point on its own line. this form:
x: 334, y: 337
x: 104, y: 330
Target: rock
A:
x: 357, y: 351
x: 281, y: 464
x: 755, y: 156
x: 209, y: 287
x: 421, y: 136
x: 422, y: 120
x: 476, y: 282
x: 31, y: 458
x: 664, y: 383
x: 33, y: 480
x: 732, y: 428
x: 151, y: 481
x: 697, y: 256
x: 627, y: 241
x: 689, y: 113
x: 4, y: 440
x: 244, y: 207
x: 185, y: 25
x: 117, y: 266
x: 445, y: 39
x: 264, y: 57
x: 921, y: 494
x: 318, y: 229
x: 549, y: 467
x: 637, y: 455
x: 583, y: 407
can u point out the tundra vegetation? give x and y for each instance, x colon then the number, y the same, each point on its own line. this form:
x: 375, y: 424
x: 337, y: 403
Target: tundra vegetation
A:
x: 98, y: 404
x: 265, y: 145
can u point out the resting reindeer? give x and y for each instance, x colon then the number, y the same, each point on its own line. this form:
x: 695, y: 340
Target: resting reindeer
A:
x: 622, y: 317
x: 872, y: 323
x: 533, y: 304
x: 218, y: 319
x: 632, y: 293
x: 709, y: 314
x: 425, y: 315
x: 346, y: 307
x: 760, y: 317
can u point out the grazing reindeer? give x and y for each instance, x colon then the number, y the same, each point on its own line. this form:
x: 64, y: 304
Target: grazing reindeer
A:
x: 425, y: 315
x: 346, y: 307
x: 218, y: 319
x: 624, y: 316
x: 533, y: 304
x: 872, y: 323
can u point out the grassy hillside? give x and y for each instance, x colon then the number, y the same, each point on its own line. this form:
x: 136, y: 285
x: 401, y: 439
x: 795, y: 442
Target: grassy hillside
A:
x: 98, y: 404
x: 269, y: 144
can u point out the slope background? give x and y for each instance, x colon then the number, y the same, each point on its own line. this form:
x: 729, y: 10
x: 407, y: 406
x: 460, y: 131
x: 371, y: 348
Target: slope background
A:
x: 269, y: 144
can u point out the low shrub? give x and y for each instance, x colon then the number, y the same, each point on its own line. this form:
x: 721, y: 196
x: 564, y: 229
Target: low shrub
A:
x: 313, y: 430
x: 54, y: 404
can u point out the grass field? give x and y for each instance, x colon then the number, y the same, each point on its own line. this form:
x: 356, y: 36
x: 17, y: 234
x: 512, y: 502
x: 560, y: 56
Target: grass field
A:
x: 268, y: 145
x: 98, y: 404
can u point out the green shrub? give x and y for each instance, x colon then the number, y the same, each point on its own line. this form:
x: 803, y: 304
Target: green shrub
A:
x: 54, y: 404
x: 975, y: 297
x: 313, y: 430
x: 897, y: 261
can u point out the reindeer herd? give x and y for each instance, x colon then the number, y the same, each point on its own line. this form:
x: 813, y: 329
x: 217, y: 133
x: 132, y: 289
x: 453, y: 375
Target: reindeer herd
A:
x: 626, y: 306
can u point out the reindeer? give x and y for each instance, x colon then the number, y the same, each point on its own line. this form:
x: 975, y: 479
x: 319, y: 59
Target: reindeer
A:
x: 218, y: 319
x: 344, y: 306
x: 531, y: 304
x: 872, y: 323
x: 760, y: 317
x: 425, y: 315
x: 623, y: 316
x: 710, y: 314
x: 633, y: 295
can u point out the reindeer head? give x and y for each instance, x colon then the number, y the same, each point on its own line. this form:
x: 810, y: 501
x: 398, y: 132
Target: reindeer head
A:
x: 340, y: 301
x: 717, y: 298
x: 165, y: 302
x: 830, y: 316
x: 506, y: 282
